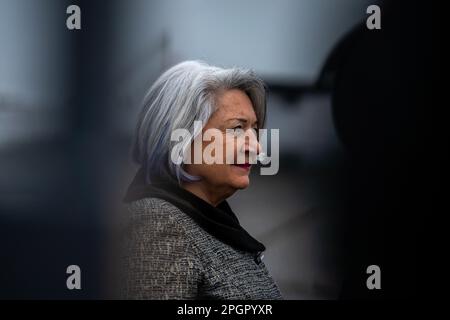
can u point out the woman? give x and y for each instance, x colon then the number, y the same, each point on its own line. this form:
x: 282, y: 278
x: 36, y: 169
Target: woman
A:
x: 185, y: 242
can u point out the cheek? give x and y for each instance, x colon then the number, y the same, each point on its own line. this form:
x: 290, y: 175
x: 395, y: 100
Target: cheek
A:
x: 224, y: 175
x: 215, y: 174
x: 218, y: 173
x: 230, y: 148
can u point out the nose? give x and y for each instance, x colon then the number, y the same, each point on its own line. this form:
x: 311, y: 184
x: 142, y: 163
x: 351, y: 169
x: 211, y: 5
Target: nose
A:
x: 252, y: 144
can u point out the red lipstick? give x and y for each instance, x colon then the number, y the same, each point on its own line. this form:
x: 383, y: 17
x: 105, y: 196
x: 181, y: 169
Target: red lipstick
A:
x: 245, y: 166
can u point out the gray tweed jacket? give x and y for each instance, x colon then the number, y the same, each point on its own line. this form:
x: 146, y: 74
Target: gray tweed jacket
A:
x: 168, y: 256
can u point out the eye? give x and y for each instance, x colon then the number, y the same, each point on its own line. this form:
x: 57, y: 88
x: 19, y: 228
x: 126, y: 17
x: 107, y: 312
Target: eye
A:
x: 237, y: 131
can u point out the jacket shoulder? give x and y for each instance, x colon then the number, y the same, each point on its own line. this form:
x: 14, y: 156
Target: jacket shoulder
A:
x: 151, y: 207
x: 159, y: 253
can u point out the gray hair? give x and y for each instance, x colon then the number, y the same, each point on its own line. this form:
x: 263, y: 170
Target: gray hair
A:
x: 183, y: 94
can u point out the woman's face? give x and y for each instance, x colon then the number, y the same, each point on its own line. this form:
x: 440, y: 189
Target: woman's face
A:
x: 235, y: 111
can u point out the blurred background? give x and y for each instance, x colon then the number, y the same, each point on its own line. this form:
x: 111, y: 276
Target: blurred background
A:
x: 350, y: 104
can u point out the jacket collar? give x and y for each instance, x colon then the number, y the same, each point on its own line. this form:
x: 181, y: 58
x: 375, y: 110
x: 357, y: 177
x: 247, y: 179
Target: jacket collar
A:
x: 220, y: 221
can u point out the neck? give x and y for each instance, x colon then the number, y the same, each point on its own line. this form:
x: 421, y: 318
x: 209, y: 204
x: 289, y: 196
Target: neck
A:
x: 206, y: 193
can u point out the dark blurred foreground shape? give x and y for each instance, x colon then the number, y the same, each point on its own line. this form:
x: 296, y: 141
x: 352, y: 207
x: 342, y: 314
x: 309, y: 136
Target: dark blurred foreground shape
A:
x: 381, y: 107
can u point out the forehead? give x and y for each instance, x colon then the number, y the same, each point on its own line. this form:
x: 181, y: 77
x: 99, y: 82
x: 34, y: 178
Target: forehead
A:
x: 235, y: 103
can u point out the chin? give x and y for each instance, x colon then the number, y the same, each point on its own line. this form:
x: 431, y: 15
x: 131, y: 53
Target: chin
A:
x: 241, y: 182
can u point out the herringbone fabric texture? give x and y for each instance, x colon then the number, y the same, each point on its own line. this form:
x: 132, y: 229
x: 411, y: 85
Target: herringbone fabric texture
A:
x: 168, y: 256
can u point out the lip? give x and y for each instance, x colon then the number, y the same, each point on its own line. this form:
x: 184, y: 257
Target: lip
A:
x: 245, y: 166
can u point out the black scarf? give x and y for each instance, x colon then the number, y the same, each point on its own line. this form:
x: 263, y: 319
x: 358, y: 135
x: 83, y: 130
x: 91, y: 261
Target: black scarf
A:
x: 220, y: 221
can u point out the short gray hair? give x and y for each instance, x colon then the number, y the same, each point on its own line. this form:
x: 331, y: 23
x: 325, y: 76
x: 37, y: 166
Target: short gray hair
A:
x: 183, y: 94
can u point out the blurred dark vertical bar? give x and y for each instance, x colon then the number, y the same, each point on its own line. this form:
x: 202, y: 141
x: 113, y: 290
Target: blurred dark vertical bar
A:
x: 62, y: 223
x: 382, y: 101
x: 89, y: 116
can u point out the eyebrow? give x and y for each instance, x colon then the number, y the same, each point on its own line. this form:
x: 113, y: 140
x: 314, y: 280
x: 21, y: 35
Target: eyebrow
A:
x: 242, y: 120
